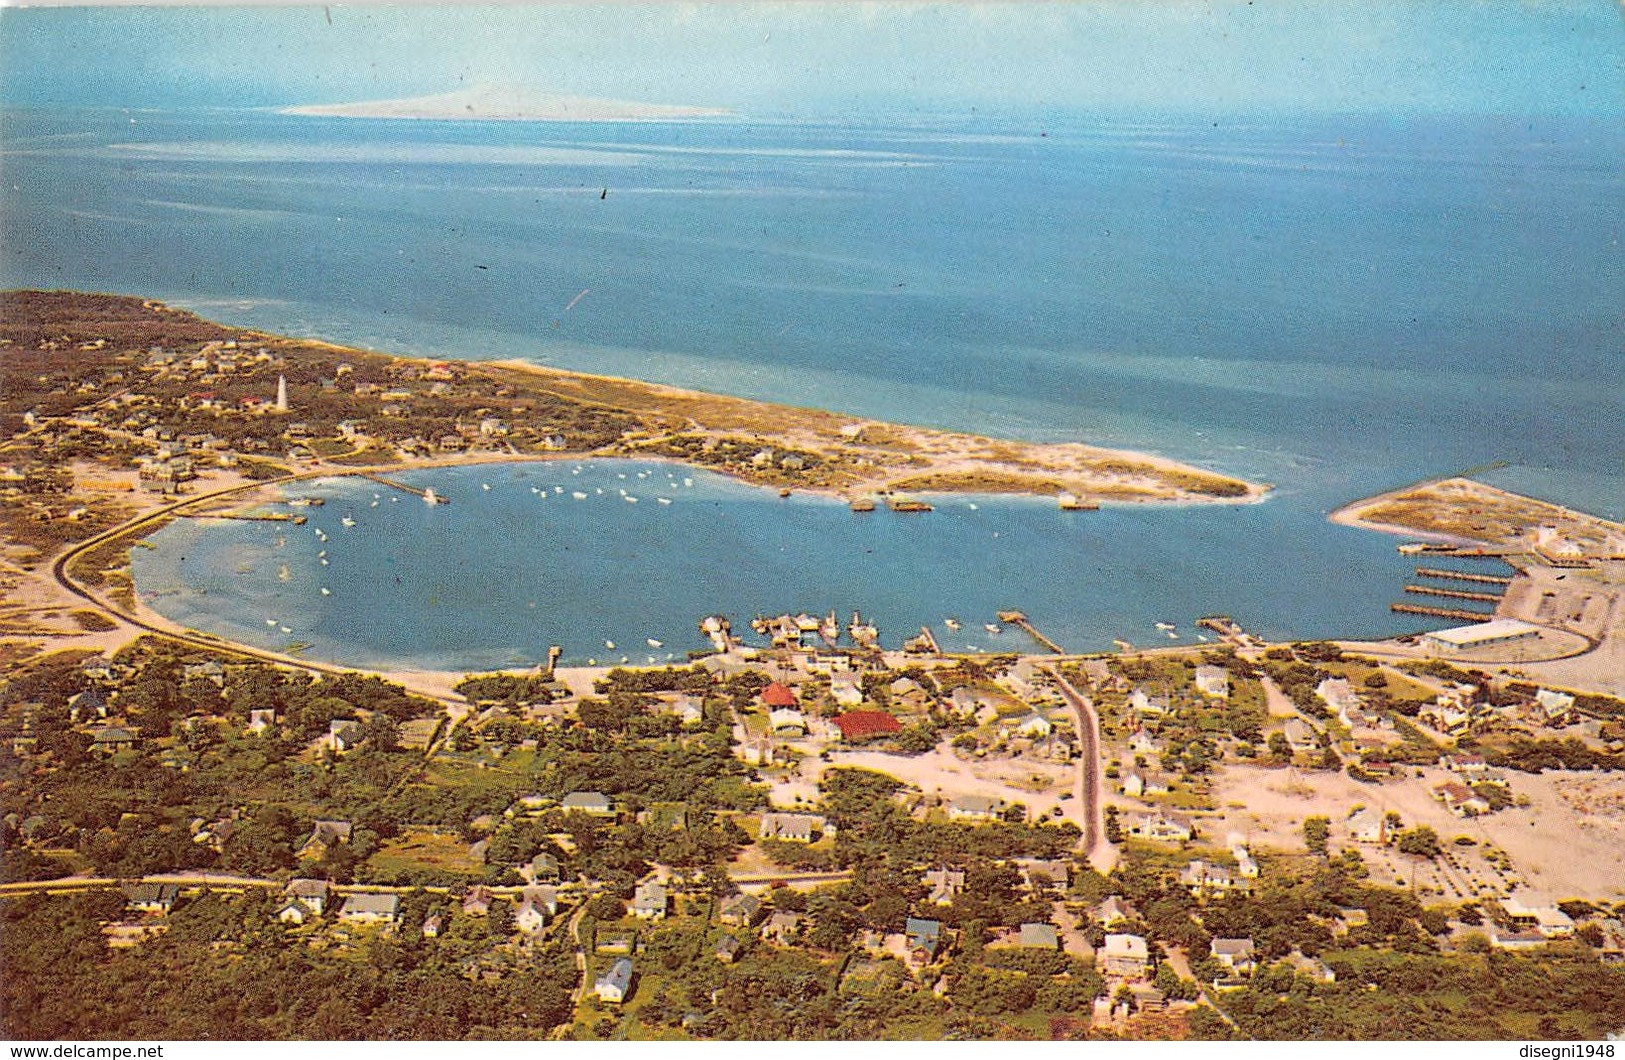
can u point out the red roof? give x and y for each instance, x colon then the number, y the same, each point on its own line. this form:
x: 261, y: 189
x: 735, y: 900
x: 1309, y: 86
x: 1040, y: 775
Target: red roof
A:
x: 862, y: 724
x: 777, y: 695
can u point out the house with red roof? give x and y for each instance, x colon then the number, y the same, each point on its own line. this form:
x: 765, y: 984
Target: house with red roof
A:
x: 778, y: 695
x: 859, y: 725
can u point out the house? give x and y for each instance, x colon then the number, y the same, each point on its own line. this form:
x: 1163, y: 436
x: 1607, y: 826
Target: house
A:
x: 371, y: 908
x: 544, y: 868
x: 1516, y: 938
x: 1048, y: 874
x: 727, y: 950
x: 1339, y: 697
x: 907, y: 692
x: 1161, y: 827
x: 324, y: 836
x: 1039, y: 936
x: 595, y: 803
x: 617, y: 943
x: 1313, y: 967
x: 845, y: 690
x: 1556, y: 708
x: 312, y: 893
x: 1133, y: 784
x: 945, y: 885
x: 922, y: 939
x: 782, y: 928
x: 153, y: 898
x: 614, y: 985
x: 976, y: 808
x: 343, y: 734
x: 262, y: 720
x: 1035, y: 726
x: 1300, y: 737
x: 1206, y: 880
x: 777, y: 696
x: 1142, y: 743
x: 1155, y: 783
x: 432, y: 925
x: 649, y: 900
x: 1464, y: 765
x: 1114, y: 911
x: 536, y: 906
x: 1460, y: 800
x: 295, y: 912
x: 858, y: 726
x: 208, y: 671
x: 1213, y: 681
x: 1350, y: 917
x: 1125, y: 955
x: 791, y: 827
x: 739, y: 910
x: 787, y: 721
x: 478, y: 900
x: 88, y: 704
x: 1544, y: 917
x: 688, y: 708
x: 1235, y: 954
x: 1367, y: 826
x: 1147, y: 706
x: 113, y: 739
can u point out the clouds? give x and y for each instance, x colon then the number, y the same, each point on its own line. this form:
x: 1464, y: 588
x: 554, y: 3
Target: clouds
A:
x: 808, y: 59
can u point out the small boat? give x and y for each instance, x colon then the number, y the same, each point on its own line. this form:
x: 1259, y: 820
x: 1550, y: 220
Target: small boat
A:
x: 394, y: 500
x: 1166, y: 627
x: 282, y: 574
x: 592, y: 662
x: 486, y: 486
x: 973, y: 507
x: 643, y: 474
x: 619, y: 475
x: 285, y: 629
x: 374, y: 504
x: 578, y: 495
x: 575, y: 471
x: 326, y: 591
x: 270, y: 622
x: 347, y: 521
x: 600, y: 491
x: 663, y: 500
x: 324, y: 561
x: 992, y: 628
x: 688, y: 482
x: 609, y: 644
x: 1172, y: 635
x: 558, y: 490
x: 533, y: 489
x: 321, y: 554
x: 951, y: 623
x: 430, y: 497
x: 651, y: 642
x: 631, y: 500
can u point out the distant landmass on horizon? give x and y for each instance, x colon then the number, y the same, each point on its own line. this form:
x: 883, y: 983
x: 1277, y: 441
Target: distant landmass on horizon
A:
x: 510, y: 103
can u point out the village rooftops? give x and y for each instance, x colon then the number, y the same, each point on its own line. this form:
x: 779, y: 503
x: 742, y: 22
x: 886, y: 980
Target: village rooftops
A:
x: 858, y: 725
x: 1040, y: 936
x: 593, y: 802
x: 790, y: 827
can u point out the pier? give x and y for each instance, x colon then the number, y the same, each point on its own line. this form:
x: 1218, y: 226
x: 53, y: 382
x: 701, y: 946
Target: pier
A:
x: 1019, y: 620
x: 428, y: 495
x: 1455, y: 594
x: 1441, y: 612
x: 1458, y: 575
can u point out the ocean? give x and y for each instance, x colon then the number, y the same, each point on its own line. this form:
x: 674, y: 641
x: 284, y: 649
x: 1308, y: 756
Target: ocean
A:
x: 1336, y: 306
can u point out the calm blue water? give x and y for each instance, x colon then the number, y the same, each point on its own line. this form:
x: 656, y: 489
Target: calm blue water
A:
x: 1335, y: 307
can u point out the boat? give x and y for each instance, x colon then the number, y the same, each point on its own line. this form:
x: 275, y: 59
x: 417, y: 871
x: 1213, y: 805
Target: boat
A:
x: 862, y: 504
x: 651, y: 642
x: 321, y: 554
x: 270, y: 622
x: 609, y: 644
x: 688, y: 482
x: 326, y: 591
x: 282, y: 574
x: 992, y: 628
x: 1172, y: 635
x: 486, y: 486
x: 533, y: 489
x: 784, y: 491
x: 1071, y: 502
x: 865, y: 633
x: 285, y: 629
x: 578, y: 495
x: 1165, y: 626
x: 324, y: 561
x: 829, y: 628
x: 558, y: 490
x: 973, y: 507
x: 899, y: 504
x: 951, y: 623
x: 430, y: 497
x: 347, y: 521
x: 374, y: 504
x: 663, y: 500
x: 631, y: 499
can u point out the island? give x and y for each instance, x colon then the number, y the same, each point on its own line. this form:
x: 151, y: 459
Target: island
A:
x: 510, y: 103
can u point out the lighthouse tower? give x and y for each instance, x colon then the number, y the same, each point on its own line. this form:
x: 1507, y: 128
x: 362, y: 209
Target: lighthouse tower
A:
x: 282, y: 393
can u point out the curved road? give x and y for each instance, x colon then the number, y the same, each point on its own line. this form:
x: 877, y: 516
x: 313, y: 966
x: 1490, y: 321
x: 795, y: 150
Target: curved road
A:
x: 1100, y: 852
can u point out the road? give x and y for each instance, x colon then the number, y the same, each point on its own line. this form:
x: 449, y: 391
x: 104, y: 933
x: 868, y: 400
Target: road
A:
x: 1102, y: 855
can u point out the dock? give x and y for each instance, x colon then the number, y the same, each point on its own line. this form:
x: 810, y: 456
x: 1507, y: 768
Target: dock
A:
x: 1441, y: 612
x: 1464, y: 576
x: 1019, y: 620
x: 428, y: 495
x: 1454, y: 594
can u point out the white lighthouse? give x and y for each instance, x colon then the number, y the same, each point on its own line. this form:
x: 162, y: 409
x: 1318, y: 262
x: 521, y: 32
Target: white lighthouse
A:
x: 282, y: 393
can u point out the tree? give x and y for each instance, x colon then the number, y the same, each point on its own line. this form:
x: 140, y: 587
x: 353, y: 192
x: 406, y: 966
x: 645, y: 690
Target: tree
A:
x: 1316, y: 830
x: 1280, y: 749
x: 1420, y: 842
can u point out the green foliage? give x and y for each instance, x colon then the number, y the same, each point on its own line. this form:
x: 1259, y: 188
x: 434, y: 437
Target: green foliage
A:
x: 1316, y: 830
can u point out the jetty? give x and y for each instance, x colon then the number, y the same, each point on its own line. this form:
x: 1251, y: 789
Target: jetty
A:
x: 1460, y: 575
x: 1455, y: 594
x: 924, y: 644
x: 1441, y: 612
x: 273, y: 517
x: 1019, y: 620
x: 901, y: 504
x: 428, y: 495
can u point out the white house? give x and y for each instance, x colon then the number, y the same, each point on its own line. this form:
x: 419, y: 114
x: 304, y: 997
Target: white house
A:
x: 1213, y: 681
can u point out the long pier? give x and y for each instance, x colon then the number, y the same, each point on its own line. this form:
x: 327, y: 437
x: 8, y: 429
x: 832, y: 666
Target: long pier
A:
x: 428, y: 495
x: 1019, y: 620
x: 1456, y: 594
x: 1461, y: 575
x: 1440, y: 612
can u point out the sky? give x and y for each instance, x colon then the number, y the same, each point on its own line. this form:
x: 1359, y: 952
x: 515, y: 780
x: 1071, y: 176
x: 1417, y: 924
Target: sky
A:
x: 807, y: 59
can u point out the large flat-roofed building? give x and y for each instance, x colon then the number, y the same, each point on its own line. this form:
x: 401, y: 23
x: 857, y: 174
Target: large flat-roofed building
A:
x: 1483, y: 634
